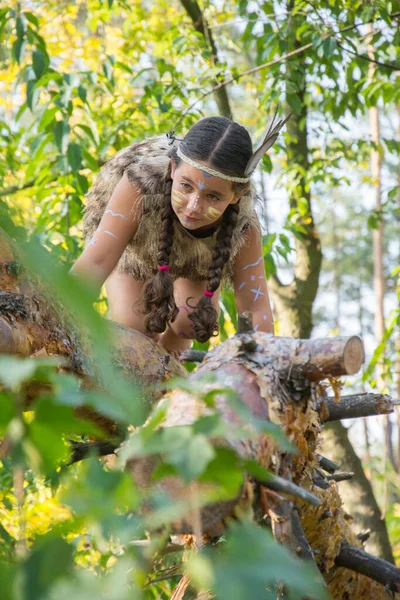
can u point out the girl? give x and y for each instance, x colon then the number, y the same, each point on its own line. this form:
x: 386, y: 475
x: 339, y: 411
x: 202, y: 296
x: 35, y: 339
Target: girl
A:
x: 168, y: 222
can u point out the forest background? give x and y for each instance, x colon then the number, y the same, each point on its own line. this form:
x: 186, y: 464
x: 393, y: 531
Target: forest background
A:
x: 81, y: 80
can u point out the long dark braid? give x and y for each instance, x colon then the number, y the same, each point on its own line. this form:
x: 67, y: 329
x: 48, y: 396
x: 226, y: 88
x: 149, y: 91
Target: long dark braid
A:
x: 158, y: 292
x: 204, y: 317
x: 226, y: 146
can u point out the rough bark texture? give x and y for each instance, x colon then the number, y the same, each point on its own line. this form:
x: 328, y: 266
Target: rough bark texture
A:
x: 272, y: 389
x: 354, y: 406
x: 357, y: 494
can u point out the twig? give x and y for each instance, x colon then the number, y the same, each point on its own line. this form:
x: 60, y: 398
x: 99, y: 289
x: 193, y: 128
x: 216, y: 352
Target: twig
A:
x: 360, y: 561
x: 279, y: 484
x: 168, y: 549
x: 354, y: 406
x: 265, y: 66
x: 304, y: 549
x: 327, y: 465
x: 172, y: 572
x: 343, y: 476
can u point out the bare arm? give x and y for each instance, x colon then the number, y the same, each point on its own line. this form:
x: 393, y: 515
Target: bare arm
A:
x: 250, y: 285
x: 117, y: 226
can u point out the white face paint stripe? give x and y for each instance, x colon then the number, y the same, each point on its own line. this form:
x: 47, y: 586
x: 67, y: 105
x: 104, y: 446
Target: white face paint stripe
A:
x: 241, y: 286
x: 111, y: 212
x: 253, y: 264
x: 256, y: 327
x: 257, y: 293
x: 112, y: 235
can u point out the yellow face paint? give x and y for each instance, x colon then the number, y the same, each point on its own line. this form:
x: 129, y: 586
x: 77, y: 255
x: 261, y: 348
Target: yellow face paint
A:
x: 213, y: 213
x: 177, y: 198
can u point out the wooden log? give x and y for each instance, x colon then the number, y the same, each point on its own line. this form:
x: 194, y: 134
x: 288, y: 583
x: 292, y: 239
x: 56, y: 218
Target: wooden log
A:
x: 353, y: 406
x: 360, y: 561
x: 314, y: 359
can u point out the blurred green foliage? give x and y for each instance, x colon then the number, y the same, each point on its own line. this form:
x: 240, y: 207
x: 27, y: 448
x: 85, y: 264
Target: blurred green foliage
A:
x: 79, y: 82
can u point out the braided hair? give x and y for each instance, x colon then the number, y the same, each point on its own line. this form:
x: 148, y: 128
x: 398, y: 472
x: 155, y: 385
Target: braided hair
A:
x: 158, y: 292
x: 225, y: 146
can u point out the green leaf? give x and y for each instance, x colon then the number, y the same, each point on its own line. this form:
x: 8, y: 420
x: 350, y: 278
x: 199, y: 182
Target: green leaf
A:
x: 196, y: 455
x: 97, y: 493
x: 49, y: 560
x: 32, y: 94
x: 39, y: 62
x: 74, y: 156
x: 61, y: 133
x: 49, y: 444
x: 7, y: 410
x: 20, y: 27
x: 82, y: 93
x: 240, y: 570
x: 329, y: 46
x: 82, y: 183
x: 31, y: 18
x: 48, y: 117
x: 225, y: 472
x: 18, y: 50
x: 294, y: 103
x: 62, y: 420
x: 91, y: 163
x: 15, y: 371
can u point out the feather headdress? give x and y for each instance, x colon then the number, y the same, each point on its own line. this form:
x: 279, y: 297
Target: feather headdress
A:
x: 268, y: 139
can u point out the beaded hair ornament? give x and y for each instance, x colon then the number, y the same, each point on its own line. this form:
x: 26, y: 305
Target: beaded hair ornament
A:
x: 268, y: 139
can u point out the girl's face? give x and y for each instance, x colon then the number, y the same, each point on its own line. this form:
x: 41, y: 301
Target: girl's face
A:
x: 198, y: 198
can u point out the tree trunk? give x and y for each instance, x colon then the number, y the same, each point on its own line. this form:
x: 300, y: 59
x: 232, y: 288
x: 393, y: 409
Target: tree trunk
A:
x: 200, y: 24
x: 277, y: 378
x: 357, y: 494
x: 293, y: 303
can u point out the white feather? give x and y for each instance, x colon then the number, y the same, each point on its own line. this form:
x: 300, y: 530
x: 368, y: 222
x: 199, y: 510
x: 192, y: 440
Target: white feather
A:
x: 268, y: 140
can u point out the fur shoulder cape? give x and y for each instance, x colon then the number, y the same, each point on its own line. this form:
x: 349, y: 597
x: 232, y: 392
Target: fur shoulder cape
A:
x: 146, y: 165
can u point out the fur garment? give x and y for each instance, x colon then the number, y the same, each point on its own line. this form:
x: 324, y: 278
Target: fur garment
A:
x: 146, y: 165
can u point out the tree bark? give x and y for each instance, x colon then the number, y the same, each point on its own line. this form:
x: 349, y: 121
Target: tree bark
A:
x: 293, y: 303
x: 200, y: 24
x: 354, y: 406
x: 272, y: 389
x: 357, y: 494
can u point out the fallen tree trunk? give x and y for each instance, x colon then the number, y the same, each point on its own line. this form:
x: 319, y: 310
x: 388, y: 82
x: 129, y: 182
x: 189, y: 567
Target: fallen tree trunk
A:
x: 274, y: 387
x: 275, y: 377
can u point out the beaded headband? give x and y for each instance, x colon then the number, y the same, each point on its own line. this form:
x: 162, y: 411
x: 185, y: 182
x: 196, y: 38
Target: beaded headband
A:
x: 209, y: 170
x: 268, y: 139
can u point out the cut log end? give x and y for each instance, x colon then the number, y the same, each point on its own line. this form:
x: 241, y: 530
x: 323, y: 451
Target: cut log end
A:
x: 353, y: 355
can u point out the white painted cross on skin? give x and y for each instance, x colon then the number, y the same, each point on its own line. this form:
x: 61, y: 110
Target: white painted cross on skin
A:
x: 257, y: 293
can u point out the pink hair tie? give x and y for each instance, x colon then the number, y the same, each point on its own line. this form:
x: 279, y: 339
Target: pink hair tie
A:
x: 163, y: 268
x: 209, y: 294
